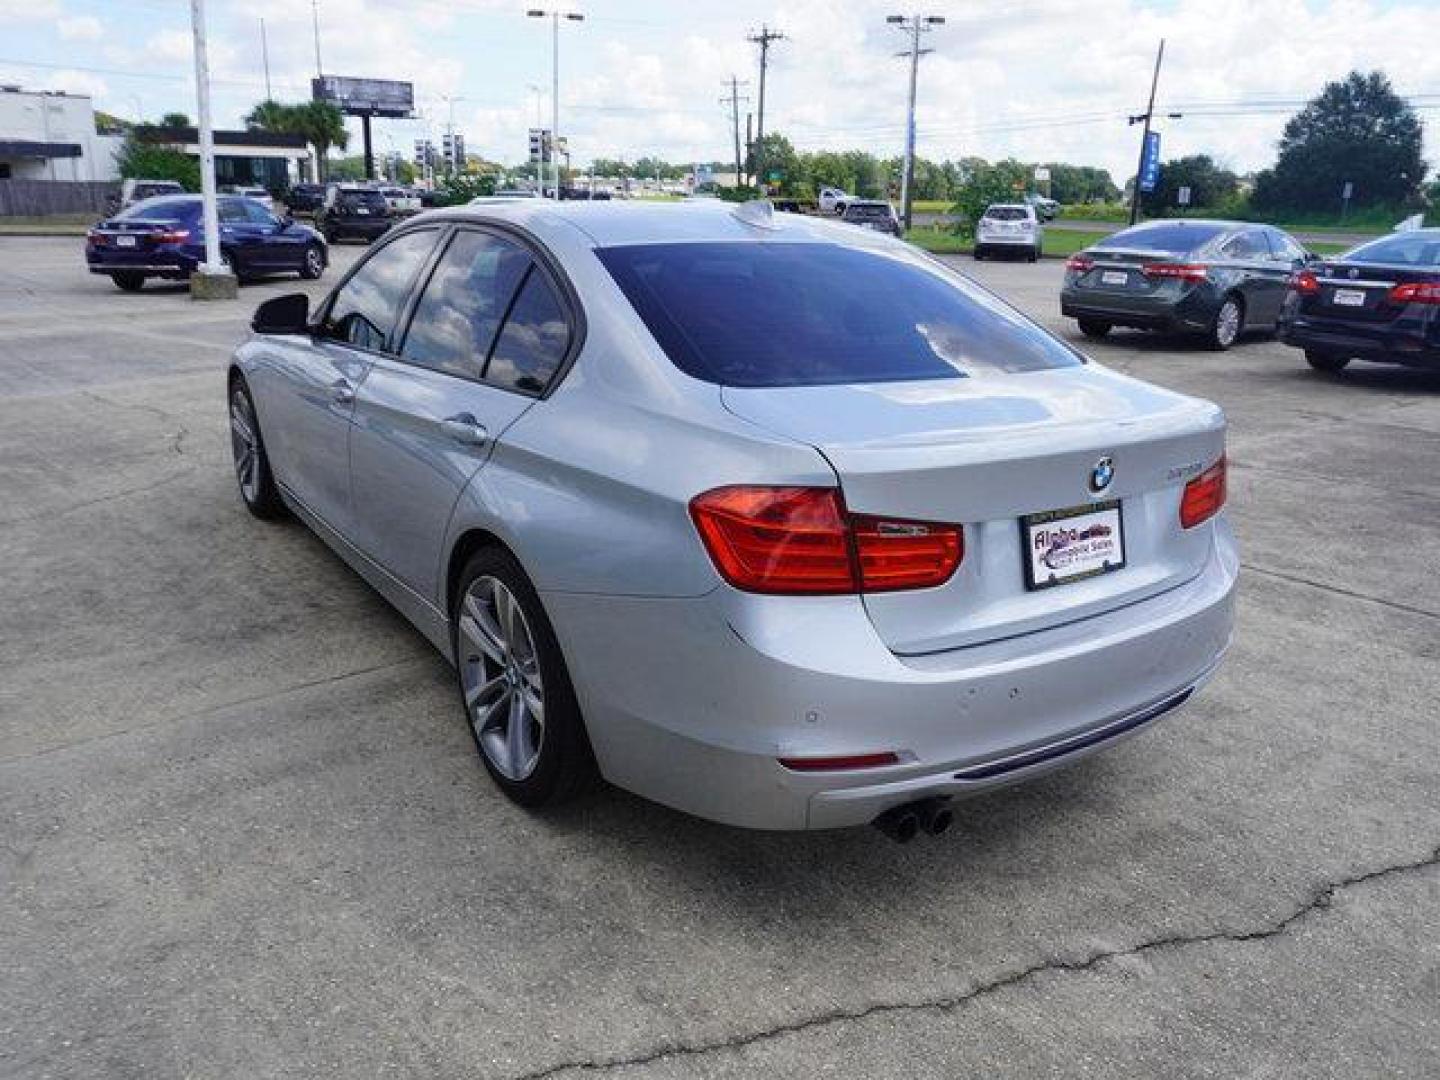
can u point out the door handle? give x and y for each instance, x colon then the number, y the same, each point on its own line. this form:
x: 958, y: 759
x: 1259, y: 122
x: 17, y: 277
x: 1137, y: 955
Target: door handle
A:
x: 342, y: 392
x: 464, y: 428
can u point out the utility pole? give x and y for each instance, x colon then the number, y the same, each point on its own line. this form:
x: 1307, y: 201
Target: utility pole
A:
x: 213, y: 280
x: 265, y: 54
x: 315, y: 17
x: 763, y: 39
x: 750, y: 142
x: 1145, y: 118
x: 555, y: 16
x: 734, y: 100
x: 914, y: 26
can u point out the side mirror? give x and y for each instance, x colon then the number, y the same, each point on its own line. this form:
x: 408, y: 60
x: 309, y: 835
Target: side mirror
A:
x: 288, y: 314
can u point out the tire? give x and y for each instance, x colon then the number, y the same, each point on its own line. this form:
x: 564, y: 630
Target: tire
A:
x: 312, y: 263
x: 1034, y: 255
x: 979, y: 253
x: 128, y: 280
x: 839, y: 209
x: 1095, y: 328
x: 504, y: 676
x: 1226, y: 326
x: 1330, y: 363
x: 252, y: 464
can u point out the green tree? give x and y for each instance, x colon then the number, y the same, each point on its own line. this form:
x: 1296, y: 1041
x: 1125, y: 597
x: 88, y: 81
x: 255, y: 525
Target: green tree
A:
x: 1357, y: 130
x: 175, y: 120
x: 144, y: 156
x: 1209, y: 184
x: 1004, y: 181
x: 320, y: 123
x: 1080, y: 184
x: 775, y: 155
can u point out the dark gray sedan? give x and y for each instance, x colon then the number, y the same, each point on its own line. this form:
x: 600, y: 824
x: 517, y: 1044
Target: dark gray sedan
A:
x: 1215, y: 279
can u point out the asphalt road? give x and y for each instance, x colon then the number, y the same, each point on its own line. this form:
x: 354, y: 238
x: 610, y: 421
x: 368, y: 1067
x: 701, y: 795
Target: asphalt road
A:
x: 243, y: 832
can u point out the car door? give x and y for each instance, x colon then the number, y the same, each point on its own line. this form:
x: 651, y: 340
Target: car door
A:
x: 306, y: 407
x: 273, y: 249
x: 487, y: 335
x: 1261, y: 279
x: 237, y: 235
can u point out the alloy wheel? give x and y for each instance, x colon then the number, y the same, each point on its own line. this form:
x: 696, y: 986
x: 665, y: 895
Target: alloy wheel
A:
x: 500, y: 676
x: 313, y: 263
x: 1227, y: 323
x: 245, y: 443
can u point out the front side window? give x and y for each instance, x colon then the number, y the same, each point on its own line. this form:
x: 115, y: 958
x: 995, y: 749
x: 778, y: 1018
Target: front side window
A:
x: 231, y: 212
x: 1286, y: 248
x: 800, y: 314
x: 532, y: 345
x: 455, y: 322
x: 367, y: 306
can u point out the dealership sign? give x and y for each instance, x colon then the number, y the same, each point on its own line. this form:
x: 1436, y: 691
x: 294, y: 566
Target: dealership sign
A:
x: 365, y: 97
x: 1150, y: 162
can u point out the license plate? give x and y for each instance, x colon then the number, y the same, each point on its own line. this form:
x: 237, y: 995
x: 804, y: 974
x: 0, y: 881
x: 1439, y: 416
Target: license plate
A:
x: 361, y: 210
x: 1348, y: 298
x: 1114, y: 277
x: 1062, y: 546
x: 124, y: 241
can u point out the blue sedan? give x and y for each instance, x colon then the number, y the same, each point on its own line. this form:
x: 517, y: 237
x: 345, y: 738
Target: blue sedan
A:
x: 165, y: 238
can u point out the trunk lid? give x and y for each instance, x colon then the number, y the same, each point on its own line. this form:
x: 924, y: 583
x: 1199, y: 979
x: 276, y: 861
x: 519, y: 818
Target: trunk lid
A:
x: 985, y: 452
x: 1360, y: 291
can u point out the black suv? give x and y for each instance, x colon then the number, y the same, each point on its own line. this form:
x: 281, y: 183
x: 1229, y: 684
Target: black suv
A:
x: 305, y: 198
x: 353, y: 213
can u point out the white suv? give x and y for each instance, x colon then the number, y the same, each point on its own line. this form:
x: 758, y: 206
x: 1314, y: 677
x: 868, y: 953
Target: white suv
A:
x: 1009, y: 227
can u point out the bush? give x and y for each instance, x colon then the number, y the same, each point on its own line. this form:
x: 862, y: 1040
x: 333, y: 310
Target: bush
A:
x: 460, y: 188
x: 1003, y: 182
x: 142, y: 159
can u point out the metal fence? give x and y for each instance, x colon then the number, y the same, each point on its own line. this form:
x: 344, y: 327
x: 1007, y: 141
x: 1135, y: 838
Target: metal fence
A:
x: 39, y: 198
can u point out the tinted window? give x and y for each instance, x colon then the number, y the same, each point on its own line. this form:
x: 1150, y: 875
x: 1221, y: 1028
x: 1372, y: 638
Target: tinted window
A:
x: 783, y: 314
x: 372, y: 199
x: 1285, y: 246
x: 456, y: 319
x: 1006, y: 213
x: 161, y: 210
x: 231, y: 211
x: 532, y: 345
x: 1173, y: 237
x: 257, y: 214
x: 1401, y: 249
x: 867, y: 212
x: 366, y: 307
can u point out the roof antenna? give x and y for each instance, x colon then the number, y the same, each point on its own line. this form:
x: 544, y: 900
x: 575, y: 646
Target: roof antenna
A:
x: 757, y: 212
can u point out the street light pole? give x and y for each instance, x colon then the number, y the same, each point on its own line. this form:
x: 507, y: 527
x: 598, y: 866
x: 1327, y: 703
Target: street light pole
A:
x: 555, y: 16
x: 915, y: 25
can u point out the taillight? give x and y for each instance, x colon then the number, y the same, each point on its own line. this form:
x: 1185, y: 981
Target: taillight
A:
x: 801, y: 540
x: 1204, y: 496
x: 833, y: 764
x: 171, y: 236
x: 1080, y: 264
x: 93, y: 238
x: 1176, y: 271
x: 1416, y: 292
x: 1305, y: 283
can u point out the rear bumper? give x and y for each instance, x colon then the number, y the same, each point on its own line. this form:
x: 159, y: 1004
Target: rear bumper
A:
x: 695, y: 702
x: 164, y: 264
x: 368, y: 228
x: 1411, y: 347
x: 1189, y: 313
x: 1007, y: 240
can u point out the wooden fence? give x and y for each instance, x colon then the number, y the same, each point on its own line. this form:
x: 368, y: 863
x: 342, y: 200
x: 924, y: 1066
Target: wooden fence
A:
x: 39, y: 198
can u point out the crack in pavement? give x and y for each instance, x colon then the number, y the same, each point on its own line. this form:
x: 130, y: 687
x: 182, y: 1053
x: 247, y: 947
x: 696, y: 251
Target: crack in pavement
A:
x: 1338, y: 590
x: 1319, y: 900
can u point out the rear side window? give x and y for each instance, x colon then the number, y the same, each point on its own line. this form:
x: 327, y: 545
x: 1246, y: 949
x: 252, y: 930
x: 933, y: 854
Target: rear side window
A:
x: 867, y: 212
x: 533, y: 343
x: 1401, y: 249
x: 799, y: 314
x: 1250, y: 245
x: 1174, y: 238
x: 455, y: 322
x: 367, y: 306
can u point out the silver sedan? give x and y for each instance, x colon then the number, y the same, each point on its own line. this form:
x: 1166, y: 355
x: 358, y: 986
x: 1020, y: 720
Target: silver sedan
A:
x: 763, y: 517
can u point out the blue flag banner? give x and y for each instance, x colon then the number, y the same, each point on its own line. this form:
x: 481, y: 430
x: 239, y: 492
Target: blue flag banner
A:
x: 1150, y: 162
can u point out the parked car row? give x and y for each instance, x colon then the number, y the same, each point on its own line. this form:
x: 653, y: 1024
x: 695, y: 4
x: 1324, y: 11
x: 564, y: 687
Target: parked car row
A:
x: 1220, y: 279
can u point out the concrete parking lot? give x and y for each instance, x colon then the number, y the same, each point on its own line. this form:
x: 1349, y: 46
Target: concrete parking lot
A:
x: 243, y: 831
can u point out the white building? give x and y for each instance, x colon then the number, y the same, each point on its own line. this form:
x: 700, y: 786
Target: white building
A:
x: 51, y: 136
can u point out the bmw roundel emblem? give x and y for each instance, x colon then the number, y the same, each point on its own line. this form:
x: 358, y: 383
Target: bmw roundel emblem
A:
x: 1101, y: 475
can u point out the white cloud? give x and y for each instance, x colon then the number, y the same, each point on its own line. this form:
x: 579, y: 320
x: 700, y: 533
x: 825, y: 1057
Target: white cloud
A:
x: 80, y: 28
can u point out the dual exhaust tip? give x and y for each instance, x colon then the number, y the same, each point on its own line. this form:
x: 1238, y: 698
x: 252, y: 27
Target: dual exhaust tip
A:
x: 903, y: 823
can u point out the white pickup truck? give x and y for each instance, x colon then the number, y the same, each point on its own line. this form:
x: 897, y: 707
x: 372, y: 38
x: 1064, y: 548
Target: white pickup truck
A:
x: 832, y: 200
x: 400, y: 201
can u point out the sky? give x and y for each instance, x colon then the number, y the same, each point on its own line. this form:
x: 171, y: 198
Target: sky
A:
x: 1049, y: 80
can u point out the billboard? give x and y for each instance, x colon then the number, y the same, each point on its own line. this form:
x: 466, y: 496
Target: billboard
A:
x: 365, y: 97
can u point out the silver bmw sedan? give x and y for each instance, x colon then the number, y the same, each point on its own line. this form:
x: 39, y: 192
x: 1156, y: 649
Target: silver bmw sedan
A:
x: 767, y: 518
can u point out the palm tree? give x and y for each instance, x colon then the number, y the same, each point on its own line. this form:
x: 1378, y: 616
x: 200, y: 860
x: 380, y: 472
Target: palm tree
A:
x: 272, y: 116
x: 323, y: 126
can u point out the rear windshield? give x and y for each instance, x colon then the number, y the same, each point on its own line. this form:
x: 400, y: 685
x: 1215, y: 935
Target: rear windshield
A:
x: 1006, y: 213
x: 1173, y: 237
x: 159, y: 210
x: 868, y: 211
x: 801, y: 314
x: 146, y: 191
x: 361, y: 198
x: 1401, y: 249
